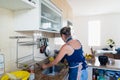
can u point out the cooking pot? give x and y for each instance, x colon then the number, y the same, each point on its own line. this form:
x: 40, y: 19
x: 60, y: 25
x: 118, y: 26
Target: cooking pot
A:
x: 45, y: 49
x: 103, y: 60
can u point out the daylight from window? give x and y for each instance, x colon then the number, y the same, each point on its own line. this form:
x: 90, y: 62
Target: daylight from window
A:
x: 94, y: 33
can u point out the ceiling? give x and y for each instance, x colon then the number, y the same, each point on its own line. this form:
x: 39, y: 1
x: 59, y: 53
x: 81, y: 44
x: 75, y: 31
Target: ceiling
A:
x: 94, y: 7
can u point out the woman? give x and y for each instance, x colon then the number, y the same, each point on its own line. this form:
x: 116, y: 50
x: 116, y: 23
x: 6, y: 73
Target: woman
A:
x: 72, y: 51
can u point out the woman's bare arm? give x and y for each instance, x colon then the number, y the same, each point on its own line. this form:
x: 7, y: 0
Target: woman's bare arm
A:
x: 63, y: 51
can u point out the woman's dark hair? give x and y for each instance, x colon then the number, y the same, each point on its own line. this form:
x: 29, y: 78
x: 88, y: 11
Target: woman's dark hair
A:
x: 66, y: 31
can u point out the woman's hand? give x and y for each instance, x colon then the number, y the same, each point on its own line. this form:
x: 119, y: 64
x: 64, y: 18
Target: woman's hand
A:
x: 44, y: 66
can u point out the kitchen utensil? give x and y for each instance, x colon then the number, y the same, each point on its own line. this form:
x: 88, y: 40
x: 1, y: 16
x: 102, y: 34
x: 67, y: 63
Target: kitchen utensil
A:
x: 103, y: 60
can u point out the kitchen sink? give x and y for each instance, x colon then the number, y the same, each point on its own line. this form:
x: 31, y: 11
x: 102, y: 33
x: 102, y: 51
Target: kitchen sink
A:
x: 52, y: 71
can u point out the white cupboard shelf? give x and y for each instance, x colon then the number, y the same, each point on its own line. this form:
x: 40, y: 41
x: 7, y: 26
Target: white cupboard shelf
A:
x: 49, y: 30
x: 17, y: 4
x: 50, y: 16
x: 46, y: 17
x: 34, y: 15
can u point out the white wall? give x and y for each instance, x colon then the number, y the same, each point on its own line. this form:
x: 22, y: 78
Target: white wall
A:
x: 7, y: 45
x: 110, y: 28
x: 6, y: 25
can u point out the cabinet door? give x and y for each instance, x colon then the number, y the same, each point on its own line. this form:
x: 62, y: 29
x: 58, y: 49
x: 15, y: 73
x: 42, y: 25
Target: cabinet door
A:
x: 18, y: 4
x: 104, y: 74
x: 90, y: 73
x: 44, y: 16
x: 29, y: 19
x: 50, y: 17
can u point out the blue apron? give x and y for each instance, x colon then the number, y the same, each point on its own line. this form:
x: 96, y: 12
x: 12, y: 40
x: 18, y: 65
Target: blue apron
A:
x: 77, y: 64
x: 76, y: 73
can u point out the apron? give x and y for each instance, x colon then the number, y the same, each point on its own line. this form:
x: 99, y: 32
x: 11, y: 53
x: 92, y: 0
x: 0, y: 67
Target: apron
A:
x: 74, y: 72
x: 77, y: 64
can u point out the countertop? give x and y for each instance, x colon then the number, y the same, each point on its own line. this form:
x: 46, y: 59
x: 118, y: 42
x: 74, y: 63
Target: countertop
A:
x: 96, y: 64
x: 40, y: 76
x: 60, y: 76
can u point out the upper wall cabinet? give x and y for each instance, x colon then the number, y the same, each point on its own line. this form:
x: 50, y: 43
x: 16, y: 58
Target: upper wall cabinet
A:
x: 45, y: 17
x: 67, y: 11
x: 17, y: 4
x: 50, y: 16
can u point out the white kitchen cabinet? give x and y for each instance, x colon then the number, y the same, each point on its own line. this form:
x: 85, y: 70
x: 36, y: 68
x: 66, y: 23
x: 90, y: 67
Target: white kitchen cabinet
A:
x: 17, y: 4
x: 45, y: 17
x: 90, y: 73
x: 50, y: 16
x: 27, y: 20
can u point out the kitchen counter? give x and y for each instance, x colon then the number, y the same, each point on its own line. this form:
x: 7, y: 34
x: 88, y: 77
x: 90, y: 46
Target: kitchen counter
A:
x: 96, y: 64
x: 40, y: 76
x: 109, y: 71
x: 60, y: 76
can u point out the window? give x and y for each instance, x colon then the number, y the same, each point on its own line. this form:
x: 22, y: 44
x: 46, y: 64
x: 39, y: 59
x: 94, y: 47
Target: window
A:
x: 94, y: 33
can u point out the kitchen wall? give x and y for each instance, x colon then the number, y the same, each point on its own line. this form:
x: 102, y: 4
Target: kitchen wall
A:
x: 6, y: 25
x: 110, y: 27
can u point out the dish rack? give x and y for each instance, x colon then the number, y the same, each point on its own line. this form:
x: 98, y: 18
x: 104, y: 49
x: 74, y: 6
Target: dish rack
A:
x: 28, y: 59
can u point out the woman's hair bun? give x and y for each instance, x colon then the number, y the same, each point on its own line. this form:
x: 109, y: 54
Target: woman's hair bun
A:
x: 66, y: 31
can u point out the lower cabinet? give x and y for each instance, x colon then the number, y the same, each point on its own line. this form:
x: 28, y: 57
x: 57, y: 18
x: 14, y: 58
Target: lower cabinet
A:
x: 90, y: 73
x: 104, y: 74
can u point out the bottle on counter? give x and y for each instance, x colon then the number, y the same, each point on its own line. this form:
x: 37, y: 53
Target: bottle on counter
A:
x: 32, y: 73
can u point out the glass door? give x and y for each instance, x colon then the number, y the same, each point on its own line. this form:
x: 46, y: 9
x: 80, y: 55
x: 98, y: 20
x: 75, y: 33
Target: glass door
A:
x: 50, y: 19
